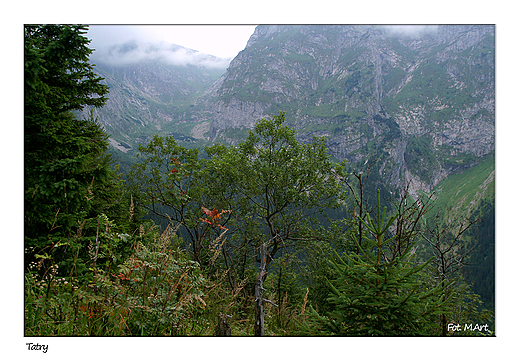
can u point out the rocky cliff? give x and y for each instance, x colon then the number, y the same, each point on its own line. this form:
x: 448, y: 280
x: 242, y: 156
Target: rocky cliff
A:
x: 155, y: 88
x: 418, y: 101
x: 415, y: 102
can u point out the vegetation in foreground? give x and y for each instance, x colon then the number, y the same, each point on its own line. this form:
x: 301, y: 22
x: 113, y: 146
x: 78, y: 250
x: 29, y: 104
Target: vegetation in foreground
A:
x: 269, y: 237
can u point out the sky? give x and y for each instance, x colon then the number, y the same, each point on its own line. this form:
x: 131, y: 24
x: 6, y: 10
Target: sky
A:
x: 222, y: 41
x: 154, y: 41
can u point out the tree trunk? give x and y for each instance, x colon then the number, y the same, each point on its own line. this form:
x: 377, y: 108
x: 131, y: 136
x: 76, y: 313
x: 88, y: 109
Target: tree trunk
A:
x: 259, y: 291
x: 223, y: 328
x: 444, y: 318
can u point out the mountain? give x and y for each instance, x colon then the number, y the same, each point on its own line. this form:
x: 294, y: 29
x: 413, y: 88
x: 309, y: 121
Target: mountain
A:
x: 412, y: 105
x: 155, y: 88
x: 416, y: 103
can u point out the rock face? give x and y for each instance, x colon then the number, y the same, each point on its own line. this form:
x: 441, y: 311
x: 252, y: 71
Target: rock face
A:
x: 154, y: 89
x: 418, y: 101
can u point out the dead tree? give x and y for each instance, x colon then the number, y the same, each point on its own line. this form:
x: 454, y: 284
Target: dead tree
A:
x: 223, y: 328
x: 450, y: 254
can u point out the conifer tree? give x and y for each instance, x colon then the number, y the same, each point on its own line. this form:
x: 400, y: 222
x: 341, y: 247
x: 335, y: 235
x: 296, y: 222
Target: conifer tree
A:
x: 373, y: 295
x: 68, y: 176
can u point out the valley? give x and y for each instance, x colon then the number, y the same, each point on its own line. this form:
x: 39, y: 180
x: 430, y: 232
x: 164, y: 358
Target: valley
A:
x: 415, y: 109
x: 420, y: 106
x: 328, y: 180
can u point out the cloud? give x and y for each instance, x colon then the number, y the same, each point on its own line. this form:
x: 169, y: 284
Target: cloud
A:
x: 224, y: 41
x: 132, y: 52
x: 410, y: 30
x: 123, y: 45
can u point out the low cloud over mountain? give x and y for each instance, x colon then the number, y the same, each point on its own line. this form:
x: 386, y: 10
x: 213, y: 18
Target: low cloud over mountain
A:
x: 414, y: 31
x: 124, y: 45
x: 134, y: 51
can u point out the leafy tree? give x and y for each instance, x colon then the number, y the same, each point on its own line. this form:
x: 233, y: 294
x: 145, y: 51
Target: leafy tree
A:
x: 278, y: 184
x: 168, y: 183
x: 267, y: 185
x: 277, y: 181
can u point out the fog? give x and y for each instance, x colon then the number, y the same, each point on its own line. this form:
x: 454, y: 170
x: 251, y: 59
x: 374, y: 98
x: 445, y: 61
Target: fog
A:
x: 413, y: 31
x: 134, y: 51
x: 209, y: 46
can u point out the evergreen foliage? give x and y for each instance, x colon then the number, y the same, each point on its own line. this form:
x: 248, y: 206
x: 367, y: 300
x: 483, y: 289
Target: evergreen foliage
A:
x: 68, y: 175
x: 481, y: 270
x: 371, y: 297
x: 94, y: 266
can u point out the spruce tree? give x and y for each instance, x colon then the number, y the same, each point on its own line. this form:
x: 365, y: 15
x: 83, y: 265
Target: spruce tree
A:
x: 68, y: 176
x: 372, y: 295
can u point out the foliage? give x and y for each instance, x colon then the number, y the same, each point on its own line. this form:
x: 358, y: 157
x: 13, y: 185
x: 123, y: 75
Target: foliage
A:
x: 100, y: 270
x: 374, y: 297
x: 481, y: 270
x: 67, y: 174
x: 171, y: 182
x: 451, y: 254
x: 276, y: 182
x: 163, y: 289
x: 155, y: 290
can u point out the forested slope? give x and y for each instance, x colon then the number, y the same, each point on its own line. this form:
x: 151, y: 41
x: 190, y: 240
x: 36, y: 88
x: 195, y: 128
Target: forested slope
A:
x: 248, y: 248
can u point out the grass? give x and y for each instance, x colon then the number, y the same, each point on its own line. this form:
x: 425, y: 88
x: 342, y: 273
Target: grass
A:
x: 155, y: 291
x: 461, y: 193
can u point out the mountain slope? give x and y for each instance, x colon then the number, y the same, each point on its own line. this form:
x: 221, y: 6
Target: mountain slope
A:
x: 420, y: 105
x: 413, y: 105
x: 461, y: 193
x: 155, y: 89
x: 416, y: 104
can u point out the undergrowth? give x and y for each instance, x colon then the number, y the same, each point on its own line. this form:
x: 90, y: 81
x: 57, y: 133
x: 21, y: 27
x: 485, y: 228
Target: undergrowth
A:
x: 156, y: 291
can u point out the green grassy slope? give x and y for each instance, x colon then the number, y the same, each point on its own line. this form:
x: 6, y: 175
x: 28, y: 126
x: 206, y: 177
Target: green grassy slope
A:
x: 461, y: 194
